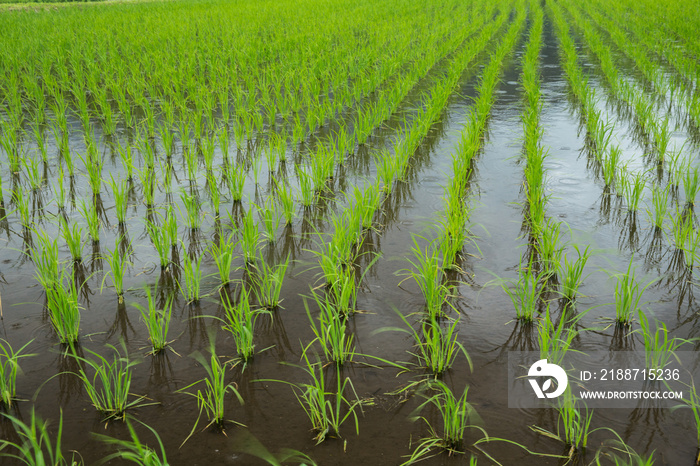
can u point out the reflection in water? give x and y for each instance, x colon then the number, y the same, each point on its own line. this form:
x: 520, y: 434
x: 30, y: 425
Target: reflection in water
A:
x: 629, y: 237
x: 121, y: 324
x: 69, y: 385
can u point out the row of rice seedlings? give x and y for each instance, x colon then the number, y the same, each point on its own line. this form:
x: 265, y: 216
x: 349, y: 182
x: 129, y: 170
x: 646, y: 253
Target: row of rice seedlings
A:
x: 653, y: 72
x: 427, y: 266
x: 621, y: 88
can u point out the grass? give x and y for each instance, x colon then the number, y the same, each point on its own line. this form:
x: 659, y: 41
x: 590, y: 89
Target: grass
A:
x: 9, y: 369
x: 110, y: 384
x: 157, y: 320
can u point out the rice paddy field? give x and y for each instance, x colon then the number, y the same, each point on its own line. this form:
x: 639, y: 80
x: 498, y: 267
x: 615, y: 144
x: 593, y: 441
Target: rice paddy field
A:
x: 275, y: 232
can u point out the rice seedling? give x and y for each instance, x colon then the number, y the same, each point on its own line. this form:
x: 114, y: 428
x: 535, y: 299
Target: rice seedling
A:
x: 573, y: 424
x: 21, y: 201
x: 627, y: 296
x: 286, y: 201
x: 556, y: 339
x: 212, y: 398
x: 691, y: 184
x: 610, y: 165
x: 64, y: 312
x: 429, y: 276
x: 157, y: 320
x: 632, y: 189
x: 306, y: 187
x: 457, y: 415
x: 170, y: 227
x: 270, y: 219
x: 9, y: 369
x: 193, y: 212
x: 109, y: 384
x: 436, y: 345
x: 235, y: 180
x: 571, y: 273
x: 117, y: 268
x: 330, y: 330
x: 240, y: 322
x: 659, y: 348
x: 45, y: 259
x: 692, y: 401
x: 256, y: 166
x: 160, y: 238
x: 223, y: 254
x: 343, y: 290
x: 268, y: 281
x: 249, y: 237
x: 659, y: 202
x: 214, y: 195
x: 147, y: 177
x: 327, y: 410
x: 74, y: 240
x: 525, y: 293
x: 135, y: 450
x: 120, y: 193
x: 93, y: 167
x: 92, y: 219
x: 244, y: 442
x: 37, y: 448
x: 34, y: 175
x: 192, y: 272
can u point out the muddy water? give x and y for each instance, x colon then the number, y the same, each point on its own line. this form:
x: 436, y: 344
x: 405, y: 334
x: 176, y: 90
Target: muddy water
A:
x: 270, y: 410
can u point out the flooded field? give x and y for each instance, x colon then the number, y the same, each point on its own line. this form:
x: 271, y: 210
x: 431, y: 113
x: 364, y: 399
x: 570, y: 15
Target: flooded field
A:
x: 243, y: 236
